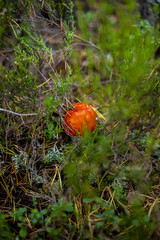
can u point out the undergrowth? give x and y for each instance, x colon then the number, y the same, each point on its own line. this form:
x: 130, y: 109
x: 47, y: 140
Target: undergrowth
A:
x: 104, y: 185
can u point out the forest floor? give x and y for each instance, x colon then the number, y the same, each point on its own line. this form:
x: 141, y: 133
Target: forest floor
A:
x: 105, y: 184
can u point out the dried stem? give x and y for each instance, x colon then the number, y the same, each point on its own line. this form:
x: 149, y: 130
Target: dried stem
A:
x: 18, y: 114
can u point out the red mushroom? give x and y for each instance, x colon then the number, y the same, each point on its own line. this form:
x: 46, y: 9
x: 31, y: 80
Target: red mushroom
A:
x: 80, y: 118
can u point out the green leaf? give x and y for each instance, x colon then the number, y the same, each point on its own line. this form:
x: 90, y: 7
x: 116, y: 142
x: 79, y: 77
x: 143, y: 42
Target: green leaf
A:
x: 23, y: 232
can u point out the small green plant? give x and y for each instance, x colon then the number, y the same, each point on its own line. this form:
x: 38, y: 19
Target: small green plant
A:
x: 53, y: 215
x: 51, y: 105
x: 61, y: 86
x: 54, y: 155
x: 5, y: 231
x: 137, y: 224
x: 18, y: 216
x: 69, y: 28
x: 120, y: 186
x: 20, y: 161
x: 38, y: 216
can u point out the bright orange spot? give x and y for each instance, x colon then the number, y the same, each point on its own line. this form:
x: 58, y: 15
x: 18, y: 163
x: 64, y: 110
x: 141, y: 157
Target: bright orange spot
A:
x: 80, y: 118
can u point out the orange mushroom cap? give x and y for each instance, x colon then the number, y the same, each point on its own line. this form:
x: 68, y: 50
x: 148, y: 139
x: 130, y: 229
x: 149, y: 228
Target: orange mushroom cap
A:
x: 80, y: 118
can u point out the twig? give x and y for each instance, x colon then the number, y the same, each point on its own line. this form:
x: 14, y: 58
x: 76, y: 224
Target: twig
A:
x: 98, y: 48
x: 88, y: 42
x: 4, y: 56
x: 18, y: 114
